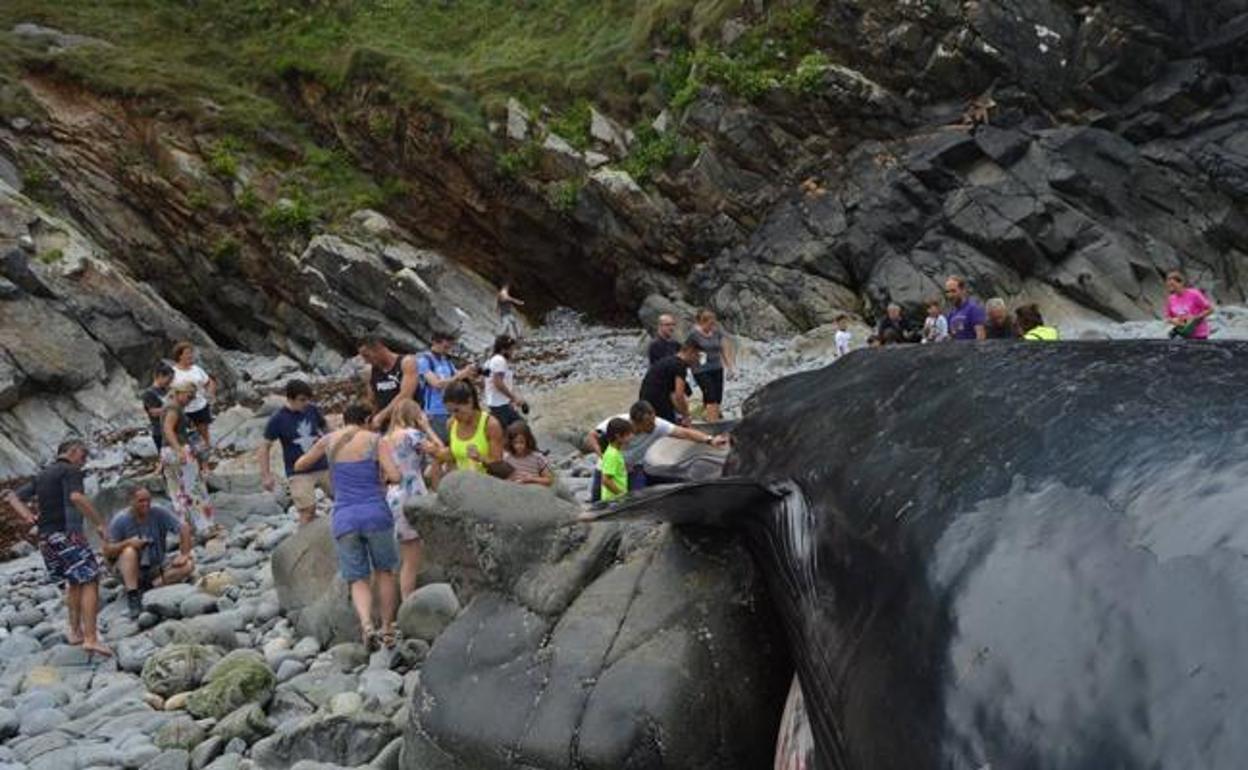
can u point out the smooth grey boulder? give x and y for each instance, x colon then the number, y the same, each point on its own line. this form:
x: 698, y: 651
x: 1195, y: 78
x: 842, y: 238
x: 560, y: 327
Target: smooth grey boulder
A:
x: 343, y: 739
x: 173, y: 759
x: 590, y: 646
x: 248, y: 723
x: 166, y: 601
x: 427, y: 611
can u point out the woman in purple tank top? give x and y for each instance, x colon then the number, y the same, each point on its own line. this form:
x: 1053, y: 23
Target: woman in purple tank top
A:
x: 361, y: 522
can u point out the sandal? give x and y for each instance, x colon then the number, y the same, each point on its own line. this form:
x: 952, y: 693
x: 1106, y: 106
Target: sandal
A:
x: 370, y: 637
x: 389, y: 638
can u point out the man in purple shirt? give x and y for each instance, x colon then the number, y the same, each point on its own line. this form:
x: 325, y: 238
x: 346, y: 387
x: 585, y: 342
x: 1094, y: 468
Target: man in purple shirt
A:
x: 967, y: 320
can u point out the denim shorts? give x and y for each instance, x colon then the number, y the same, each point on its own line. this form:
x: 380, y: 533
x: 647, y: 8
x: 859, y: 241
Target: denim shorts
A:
x: 362, y: 553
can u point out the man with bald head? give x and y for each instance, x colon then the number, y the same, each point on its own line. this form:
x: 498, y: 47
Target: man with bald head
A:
x: 137, y: 542
x: 664, y: 343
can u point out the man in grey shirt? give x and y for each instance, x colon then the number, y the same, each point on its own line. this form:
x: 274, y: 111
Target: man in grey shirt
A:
x: 647, y: 429
x: 137, y: 545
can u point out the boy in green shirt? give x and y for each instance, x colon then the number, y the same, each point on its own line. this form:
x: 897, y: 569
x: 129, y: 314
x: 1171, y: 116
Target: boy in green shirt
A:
x: 612, y: 466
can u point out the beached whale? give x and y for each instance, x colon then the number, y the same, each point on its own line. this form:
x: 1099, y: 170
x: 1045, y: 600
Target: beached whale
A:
x: 1002, y: 555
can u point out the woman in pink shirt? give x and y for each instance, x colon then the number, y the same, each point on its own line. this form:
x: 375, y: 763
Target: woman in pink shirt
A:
x: 1187, y: 309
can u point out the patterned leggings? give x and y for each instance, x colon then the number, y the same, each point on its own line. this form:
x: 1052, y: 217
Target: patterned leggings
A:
x: 186, y: 487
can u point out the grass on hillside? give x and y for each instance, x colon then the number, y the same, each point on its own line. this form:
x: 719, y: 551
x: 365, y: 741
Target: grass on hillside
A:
x: 223, y: 64
x: 462, y: 57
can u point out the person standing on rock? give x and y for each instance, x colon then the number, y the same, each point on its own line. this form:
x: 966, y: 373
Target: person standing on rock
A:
x: 362, y: 524
x: 411, y: 446
x: 647, y: 429
x: 199, y: 410
x: 664, y: 385
x: 180, y: 460
x: 437, y: 372
x: 611, y: 466
x: 664, y: 343
x: 154, y: 400
x: 936, y: 326
x: 62, y: 505
x: 477, y: 437
x: 508, y: 322
x: 716, y: 352
x: 1031, y: 325
x: 501, y: 396
x: 389, y: 380
x: 967, y: 320
x: 528, y: 464
x: 998, y: 325
x: 297, y: 426
x: 893, y: 321
x: 1187, y: 309
x: 136, y: 547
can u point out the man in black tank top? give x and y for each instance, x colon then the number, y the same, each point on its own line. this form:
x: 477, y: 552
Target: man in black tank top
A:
x: 390, y: 380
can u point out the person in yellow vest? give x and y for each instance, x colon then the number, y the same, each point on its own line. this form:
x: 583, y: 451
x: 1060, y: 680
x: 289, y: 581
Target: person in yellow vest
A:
x: 1031, y: 325
x: 476, y: 437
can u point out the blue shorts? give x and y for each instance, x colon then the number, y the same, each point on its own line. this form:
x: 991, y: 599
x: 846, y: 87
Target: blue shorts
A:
x: 362, y: 553
x: 69, y: 558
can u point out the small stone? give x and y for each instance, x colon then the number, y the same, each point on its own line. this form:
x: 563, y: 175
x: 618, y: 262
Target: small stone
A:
x: 236, y: 746
x: 39, y: 721
x: 215, y: 583
x: 346, y: 703
x: 174, y: 759
x: 383, y: 685
x: 349, y: 656
x: 176, y: 702
x: 248, y: 723
x: 147, y: 620
x: 198, y: 604
x: 307, y: 647
x: 203, y: 754
x: 289, y: 669
x: 154, y: 700
x: 181, y: 733
x: 41, y: 676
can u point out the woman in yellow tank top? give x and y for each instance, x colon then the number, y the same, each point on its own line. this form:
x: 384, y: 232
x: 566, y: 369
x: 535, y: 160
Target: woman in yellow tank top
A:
x: 476, y: 437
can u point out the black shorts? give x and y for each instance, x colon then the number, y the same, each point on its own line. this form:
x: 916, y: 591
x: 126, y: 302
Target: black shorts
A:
x: 506, y: 414
x: 201, y: 417
x: 711, y: 383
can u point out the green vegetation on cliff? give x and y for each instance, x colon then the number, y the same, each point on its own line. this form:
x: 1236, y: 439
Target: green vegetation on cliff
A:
x: 461, y: 57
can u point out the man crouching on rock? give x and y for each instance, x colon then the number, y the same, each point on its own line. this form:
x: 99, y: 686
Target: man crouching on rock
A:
x: 68, y: 556
x: 137, y: 548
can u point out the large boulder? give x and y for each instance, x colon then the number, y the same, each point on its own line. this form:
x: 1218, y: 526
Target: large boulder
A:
x: 242, y: 677
x: 349, y: 740
x: 309, y: 589
x: 589, y: 646
x: 178, y: 668
x: 304, y: 566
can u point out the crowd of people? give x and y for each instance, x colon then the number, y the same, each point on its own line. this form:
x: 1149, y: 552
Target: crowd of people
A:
x: 421, y: 416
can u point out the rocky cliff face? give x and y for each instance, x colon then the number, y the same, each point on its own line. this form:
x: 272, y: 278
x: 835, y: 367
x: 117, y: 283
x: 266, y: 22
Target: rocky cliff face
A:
x: 1053, y: 152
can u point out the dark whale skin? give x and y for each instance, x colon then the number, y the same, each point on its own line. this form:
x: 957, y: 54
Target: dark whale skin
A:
x: 1008, y: 555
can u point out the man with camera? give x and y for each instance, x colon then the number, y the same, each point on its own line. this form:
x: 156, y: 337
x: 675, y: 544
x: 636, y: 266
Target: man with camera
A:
x: 136, y: 547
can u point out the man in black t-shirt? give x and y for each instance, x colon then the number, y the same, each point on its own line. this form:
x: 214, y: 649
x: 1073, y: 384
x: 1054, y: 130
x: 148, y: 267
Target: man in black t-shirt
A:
x: 154, y: 400
x: 664, y: 343
x: 68, y: 556
x: 665, y: 388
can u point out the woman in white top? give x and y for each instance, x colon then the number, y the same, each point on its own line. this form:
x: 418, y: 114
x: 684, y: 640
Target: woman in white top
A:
x: 501, y: 397
x: 199, y: 411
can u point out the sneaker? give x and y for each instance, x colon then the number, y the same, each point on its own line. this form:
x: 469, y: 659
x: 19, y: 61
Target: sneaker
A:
x: 134, y: 602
